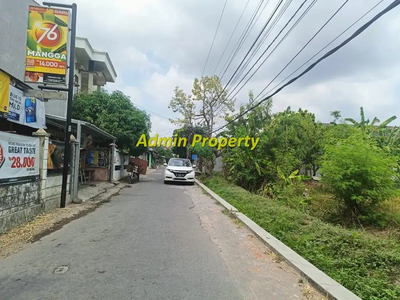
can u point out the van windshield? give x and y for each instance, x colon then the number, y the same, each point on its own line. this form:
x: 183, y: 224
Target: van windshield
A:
x: 180, y: 163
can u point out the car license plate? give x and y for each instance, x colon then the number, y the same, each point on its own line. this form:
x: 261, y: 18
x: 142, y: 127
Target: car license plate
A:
x: 180, y: 175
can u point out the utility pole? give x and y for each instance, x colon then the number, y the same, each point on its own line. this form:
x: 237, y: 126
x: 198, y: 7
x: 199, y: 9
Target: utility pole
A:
x: 70, y: 90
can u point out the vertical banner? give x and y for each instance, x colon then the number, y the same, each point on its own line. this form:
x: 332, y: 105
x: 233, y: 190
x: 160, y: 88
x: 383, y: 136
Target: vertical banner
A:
x: 19, y: 158
x: 4, y: 91
x: 46, y: 46
x: 26, y: 111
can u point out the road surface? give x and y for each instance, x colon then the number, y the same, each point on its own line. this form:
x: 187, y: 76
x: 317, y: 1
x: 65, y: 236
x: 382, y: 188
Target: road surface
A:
x: 152, y: 241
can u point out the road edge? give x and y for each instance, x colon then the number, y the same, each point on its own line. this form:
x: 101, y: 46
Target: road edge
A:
x: 315, y: 276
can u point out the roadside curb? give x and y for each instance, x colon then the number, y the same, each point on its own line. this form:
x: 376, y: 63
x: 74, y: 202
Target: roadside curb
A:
x: 316, y: 277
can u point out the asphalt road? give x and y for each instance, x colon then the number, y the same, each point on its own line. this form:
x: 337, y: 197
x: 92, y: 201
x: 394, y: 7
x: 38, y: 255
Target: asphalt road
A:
x: 153, y: 241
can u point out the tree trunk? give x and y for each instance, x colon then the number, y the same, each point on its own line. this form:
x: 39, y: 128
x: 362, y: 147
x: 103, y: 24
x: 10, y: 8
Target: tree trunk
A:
x: 200, y: 164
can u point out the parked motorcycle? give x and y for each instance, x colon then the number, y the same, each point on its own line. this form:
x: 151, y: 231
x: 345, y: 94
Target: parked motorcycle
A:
x: 134, y: 175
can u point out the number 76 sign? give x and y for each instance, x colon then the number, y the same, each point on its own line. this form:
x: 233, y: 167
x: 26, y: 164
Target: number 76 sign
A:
x: 46, y: 45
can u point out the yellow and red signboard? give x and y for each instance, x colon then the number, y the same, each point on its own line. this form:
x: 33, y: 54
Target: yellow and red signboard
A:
x: 4, y: 92
x: 46, y: 46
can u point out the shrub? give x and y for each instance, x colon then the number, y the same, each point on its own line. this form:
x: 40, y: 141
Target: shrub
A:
x: 359, y: 173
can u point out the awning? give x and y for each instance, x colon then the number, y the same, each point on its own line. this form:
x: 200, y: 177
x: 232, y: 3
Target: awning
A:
x: 86, y: 126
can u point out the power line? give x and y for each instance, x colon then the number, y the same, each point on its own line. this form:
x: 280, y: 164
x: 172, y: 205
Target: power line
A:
x: 266, y: 35
x: 241, y: 40
x: 252, y: 46
x: 301, y: 50
x: 287, y: 33
x: 249, y: 30
x: 234, y: 30
x: 343, y: 32
x: 242, y: 37
x: 215, y: 35
x: 329, y: 53
x: 273, y: 50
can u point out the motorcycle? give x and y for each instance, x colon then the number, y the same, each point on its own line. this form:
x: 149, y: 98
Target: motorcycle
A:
x: 134, y: 175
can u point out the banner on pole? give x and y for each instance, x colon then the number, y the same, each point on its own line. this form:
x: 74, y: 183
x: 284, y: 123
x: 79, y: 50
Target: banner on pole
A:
x: 47, y: 45
x: 19, y: 158
x: 27, y: 111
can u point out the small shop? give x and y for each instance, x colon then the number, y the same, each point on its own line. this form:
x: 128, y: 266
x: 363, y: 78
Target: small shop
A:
x: 93, y: 150
x: 95, y: 160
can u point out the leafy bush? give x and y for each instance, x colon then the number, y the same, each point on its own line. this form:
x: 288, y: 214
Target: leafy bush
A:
x: 358, y: 172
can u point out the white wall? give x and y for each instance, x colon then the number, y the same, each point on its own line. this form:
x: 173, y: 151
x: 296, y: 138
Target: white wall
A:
x: 121, y: 162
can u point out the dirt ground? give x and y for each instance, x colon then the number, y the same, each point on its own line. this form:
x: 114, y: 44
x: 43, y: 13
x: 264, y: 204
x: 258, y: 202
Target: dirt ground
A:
x: 20, y: 237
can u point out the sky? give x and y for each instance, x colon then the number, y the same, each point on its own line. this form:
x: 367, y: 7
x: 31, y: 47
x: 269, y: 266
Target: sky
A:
x: 156, y: 45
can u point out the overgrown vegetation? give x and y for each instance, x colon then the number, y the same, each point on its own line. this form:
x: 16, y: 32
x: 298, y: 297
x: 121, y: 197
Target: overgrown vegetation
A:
x: 358, y: 161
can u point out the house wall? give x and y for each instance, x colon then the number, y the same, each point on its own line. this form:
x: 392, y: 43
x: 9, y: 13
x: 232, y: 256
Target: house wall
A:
x: 121, y: 163
x: 13, y: 24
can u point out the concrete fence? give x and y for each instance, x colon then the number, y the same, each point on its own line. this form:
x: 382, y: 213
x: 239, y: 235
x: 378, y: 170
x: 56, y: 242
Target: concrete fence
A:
x: 20, y: 202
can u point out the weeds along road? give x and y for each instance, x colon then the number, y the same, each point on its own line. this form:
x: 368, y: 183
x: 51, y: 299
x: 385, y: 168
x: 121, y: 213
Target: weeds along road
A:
x: 152, y: 241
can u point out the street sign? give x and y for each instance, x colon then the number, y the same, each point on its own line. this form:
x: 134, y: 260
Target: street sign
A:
x: 46, y: 94
x: 194, y: 157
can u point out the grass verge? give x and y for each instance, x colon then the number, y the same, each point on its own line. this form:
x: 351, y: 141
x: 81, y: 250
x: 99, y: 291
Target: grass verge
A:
x: 366, y: 264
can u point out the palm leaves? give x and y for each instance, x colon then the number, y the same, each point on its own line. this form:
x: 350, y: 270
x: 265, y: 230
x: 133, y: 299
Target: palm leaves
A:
x: 366, y: 124
x: 387, y: 138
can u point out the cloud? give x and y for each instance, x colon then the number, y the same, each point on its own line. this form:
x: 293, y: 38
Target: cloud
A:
x: 157, y: 45
x: 160, y: 86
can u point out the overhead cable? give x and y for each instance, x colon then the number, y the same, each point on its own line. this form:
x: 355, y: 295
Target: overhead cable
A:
x: 287, y: 23
x: 301, y: 50
x: 233, y: 32
x: 273, y: 50
x: 252, y: 46
x: 329, y: 53
x: 215, y: 35
x: 242, y: 37
x: 327, y: 45
x: 262, y: 41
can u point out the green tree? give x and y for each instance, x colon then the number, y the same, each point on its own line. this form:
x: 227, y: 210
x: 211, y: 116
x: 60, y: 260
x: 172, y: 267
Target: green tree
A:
x: 336, y: 116
x: 184, y: 105
x: 358, y: 172
x: 213, y: 99
x: 205, y: 154
x: 186, y: 132
x: 163, y: 152
x: 213, y: 103
x: 115, y: 114
x: 249, y: 168
x: 289, y: 140
x: 295, y: 140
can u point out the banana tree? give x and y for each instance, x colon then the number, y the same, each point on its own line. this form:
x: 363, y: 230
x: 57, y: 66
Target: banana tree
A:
x: 365, y: 124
